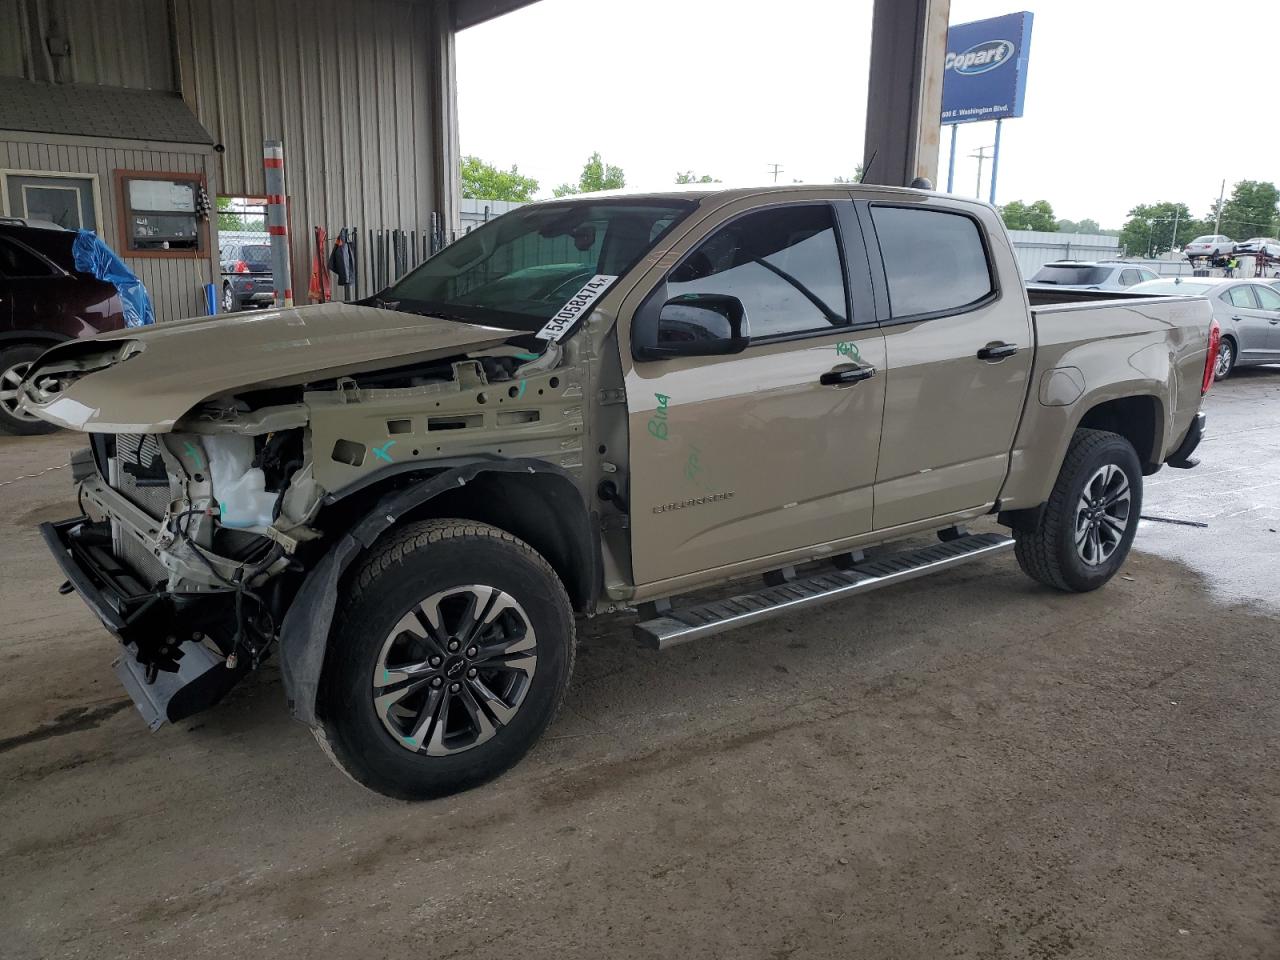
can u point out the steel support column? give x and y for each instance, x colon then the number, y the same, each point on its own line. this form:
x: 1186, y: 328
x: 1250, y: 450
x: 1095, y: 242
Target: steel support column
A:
x: 904, y: 97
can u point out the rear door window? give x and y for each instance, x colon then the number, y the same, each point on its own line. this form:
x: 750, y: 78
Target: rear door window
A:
x: 1129, y: 277
x: 1269, y: 299
x: 1241, y: 296
x: 935, y: 262
x: 18, y: 262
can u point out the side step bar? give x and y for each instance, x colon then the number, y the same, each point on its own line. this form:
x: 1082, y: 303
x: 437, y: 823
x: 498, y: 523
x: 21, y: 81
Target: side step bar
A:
x: 691, y: 623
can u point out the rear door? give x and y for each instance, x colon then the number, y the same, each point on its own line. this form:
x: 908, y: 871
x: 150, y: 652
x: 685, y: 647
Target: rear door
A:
x: 959, y: 350
x: 1269, y: 300
x: 1252, y: 324
x: 752, y: 455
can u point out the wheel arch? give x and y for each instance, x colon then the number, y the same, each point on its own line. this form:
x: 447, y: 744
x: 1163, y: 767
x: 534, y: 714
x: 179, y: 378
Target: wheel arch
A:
x: 531, y: 499
x: 1139, y: 418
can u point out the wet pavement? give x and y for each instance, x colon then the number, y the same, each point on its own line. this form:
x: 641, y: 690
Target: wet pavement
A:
x: 968, y: 766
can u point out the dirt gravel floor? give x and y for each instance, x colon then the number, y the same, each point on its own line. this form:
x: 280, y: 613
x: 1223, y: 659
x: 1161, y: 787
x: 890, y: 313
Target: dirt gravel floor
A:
x: 969, y: 766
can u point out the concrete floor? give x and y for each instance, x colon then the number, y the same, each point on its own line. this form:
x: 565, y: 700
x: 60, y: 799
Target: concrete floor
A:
x: 969, y: 766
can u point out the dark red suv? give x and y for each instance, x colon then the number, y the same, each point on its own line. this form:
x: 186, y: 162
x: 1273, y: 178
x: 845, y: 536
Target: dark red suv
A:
x: 44, y: 300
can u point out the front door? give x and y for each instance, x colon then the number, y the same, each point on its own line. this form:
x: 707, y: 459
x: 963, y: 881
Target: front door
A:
x: 741, y: 457
x: 959, y: 353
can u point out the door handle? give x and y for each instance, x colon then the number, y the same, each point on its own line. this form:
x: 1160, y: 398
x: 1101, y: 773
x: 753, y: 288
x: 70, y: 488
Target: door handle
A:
x: 993, y: 352
x: 846, y: 376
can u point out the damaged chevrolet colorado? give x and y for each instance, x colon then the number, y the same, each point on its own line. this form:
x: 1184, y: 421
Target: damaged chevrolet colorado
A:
x: 594, y: 405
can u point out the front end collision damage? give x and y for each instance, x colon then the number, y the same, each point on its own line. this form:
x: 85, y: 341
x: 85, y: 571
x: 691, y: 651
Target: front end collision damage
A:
x: 272, y: 496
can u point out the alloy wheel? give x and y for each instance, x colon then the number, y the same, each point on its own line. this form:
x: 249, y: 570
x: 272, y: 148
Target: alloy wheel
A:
x: 10, y: 379
x: 1226, y: 354
x: 454, y: 670
x: 1102, y: 514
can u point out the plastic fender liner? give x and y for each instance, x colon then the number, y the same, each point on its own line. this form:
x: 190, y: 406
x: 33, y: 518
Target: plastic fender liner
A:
x: 304, y: 634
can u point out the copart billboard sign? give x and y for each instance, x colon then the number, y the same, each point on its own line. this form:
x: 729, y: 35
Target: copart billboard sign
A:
x: 985, y: 73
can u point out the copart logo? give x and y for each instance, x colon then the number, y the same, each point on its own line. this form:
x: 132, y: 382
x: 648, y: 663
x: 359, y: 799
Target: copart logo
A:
x: 981, y: 57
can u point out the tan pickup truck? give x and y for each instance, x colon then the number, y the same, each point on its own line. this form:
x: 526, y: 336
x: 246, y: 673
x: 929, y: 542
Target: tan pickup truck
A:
x: 595, y: 405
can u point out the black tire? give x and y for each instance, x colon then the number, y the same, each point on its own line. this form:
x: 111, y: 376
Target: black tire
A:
x: 13, y: 363
x: 1050, y: 553
x: 1227, y: 355
x: 229, y: 302
x: 410, y: 565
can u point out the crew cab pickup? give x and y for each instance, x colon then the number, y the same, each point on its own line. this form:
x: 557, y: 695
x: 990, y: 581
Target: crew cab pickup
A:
x: 588, y: 406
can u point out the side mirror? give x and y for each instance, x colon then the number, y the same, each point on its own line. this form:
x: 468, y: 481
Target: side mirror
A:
x: 698, y: 325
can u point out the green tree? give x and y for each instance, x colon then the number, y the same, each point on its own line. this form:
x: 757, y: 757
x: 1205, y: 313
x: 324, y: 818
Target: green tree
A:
x: 1251, y: 210
x: 1029, y: 216
x: 484, y: 181
x: 1149, y: 231
x: 596, y: 175
x: 1079, y: 226
x: 228, y: 219
x: 689, y: 176
x: 856, y: 178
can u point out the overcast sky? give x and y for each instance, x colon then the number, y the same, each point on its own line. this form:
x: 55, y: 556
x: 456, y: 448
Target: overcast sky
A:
x: 1119, y: 107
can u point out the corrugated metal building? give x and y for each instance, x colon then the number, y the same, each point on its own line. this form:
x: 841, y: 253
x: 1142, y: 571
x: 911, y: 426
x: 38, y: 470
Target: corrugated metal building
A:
x: 124, y: 116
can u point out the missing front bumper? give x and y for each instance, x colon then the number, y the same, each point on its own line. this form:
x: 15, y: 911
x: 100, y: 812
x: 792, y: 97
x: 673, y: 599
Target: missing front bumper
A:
x: 168, y: 680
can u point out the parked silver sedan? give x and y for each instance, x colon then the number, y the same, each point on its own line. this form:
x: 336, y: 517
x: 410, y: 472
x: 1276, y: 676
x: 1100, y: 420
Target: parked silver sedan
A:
x: 1091, y: 274
x: 1248, y: 311
x: 1210, y: 245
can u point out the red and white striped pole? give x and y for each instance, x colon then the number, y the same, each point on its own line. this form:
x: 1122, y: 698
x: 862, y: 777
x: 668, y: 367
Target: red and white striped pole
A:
x: 277, y: 221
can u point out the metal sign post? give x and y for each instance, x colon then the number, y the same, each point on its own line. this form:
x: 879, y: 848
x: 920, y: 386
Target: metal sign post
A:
x: 985, y: 78
x: 277, y: 221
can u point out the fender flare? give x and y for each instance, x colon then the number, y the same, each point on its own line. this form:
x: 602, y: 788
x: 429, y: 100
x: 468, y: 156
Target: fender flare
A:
x: 304, y: 633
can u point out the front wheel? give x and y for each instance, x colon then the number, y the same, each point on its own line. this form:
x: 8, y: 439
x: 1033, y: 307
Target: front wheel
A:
x: 450, y: 656
x: 1087, y: 527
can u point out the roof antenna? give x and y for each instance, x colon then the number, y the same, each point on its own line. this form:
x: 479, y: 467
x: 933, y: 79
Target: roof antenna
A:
x: 866, y: 169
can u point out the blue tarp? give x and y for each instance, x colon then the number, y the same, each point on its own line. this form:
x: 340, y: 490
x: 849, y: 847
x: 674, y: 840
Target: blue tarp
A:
x: 95, y: 257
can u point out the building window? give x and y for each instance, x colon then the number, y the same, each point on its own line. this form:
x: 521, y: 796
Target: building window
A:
x: 160, y: 214
x: 69, y: 200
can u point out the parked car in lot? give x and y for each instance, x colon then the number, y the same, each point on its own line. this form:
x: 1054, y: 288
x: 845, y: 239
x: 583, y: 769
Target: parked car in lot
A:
x: 246, y: 276
x: 1248, y: 312
x: 1092, y: 274
x: 1210, y: 245
x: 410, y: 499
x: 1265, y: 245
x: 44, y: 300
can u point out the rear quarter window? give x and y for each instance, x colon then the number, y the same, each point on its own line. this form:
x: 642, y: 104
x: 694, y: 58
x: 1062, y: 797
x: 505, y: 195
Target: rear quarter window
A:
x: 935, y: 262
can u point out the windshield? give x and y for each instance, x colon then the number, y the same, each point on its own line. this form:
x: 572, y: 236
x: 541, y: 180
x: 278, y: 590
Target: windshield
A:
x: 1071, y: 275
x: 1204, y: 240
x: 524, y: 267
x: 1172, y: 288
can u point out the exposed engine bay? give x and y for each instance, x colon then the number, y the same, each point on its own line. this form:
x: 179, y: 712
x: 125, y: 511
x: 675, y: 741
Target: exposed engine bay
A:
x: 205, y: 533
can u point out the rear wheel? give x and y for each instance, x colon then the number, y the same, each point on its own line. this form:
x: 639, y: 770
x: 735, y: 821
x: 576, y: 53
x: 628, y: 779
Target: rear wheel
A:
x: 1087, y: 527
x: 14, y: 364
x: 228, y: 299
x: 450, y: 656
x: 1226, y: 359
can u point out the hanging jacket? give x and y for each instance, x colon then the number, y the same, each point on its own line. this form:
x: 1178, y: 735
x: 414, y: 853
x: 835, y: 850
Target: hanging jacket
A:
x: 342, y: 261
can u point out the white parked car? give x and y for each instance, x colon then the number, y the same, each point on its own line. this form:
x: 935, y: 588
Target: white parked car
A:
x: 1091, y: 275
x: 1268, y: 245
x: 1247, y: 311
x: 1214, y: 245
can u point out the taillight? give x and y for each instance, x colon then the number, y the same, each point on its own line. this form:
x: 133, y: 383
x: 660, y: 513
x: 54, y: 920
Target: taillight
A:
x: 241, y: 267
x: 1211, y: 361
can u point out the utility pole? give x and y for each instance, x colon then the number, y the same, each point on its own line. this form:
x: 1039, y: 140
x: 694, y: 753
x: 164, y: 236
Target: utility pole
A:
x: 1174, y: 241
x: 1222, y: 192
x: 777, y: 169
x: 981, y: 157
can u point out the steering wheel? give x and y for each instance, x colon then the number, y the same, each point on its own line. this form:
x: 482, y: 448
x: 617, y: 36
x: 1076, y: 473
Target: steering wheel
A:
x: 574, y: 283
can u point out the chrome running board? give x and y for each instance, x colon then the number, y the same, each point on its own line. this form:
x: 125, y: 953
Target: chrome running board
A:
x: 691, y: 623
